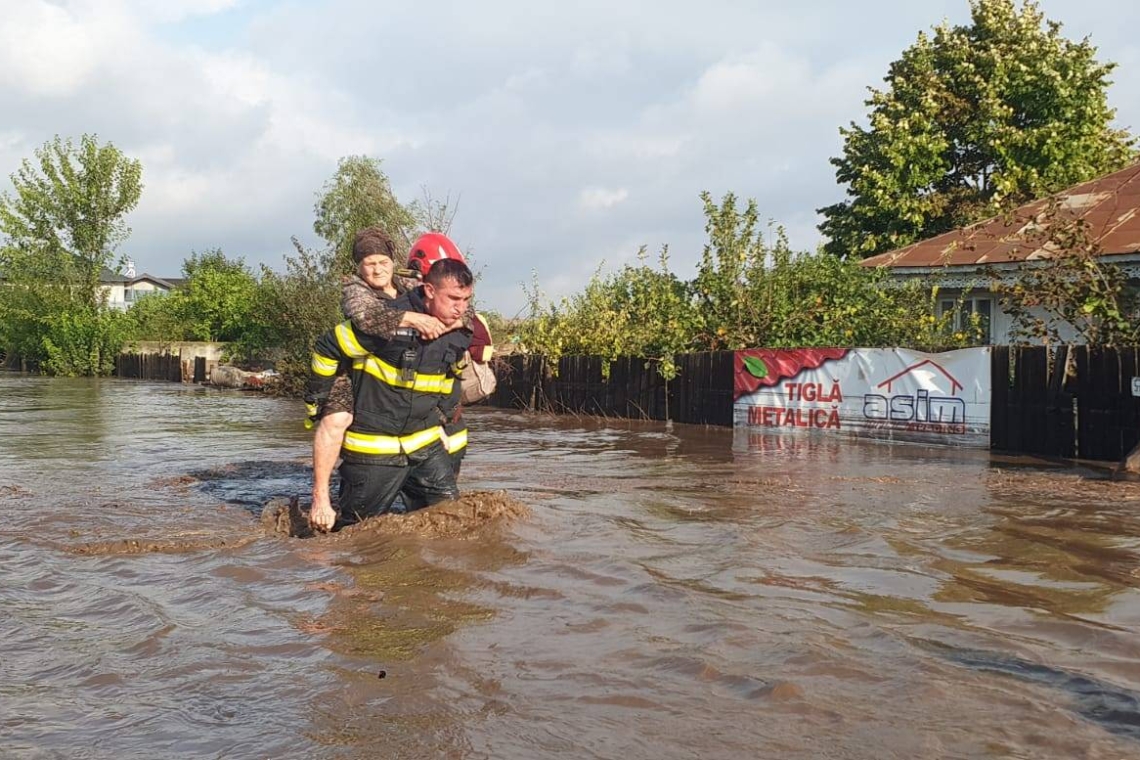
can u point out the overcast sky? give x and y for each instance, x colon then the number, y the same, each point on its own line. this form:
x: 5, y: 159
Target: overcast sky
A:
x: 571, y: 132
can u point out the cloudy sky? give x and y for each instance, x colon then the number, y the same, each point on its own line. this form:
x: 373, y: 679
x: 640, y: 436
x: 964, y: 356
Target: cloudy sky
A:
x: 571, y: 132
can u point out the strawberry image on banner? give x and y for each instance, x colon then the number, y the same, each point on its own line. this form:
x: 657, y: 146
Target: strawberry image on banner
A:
x: 758, y: 367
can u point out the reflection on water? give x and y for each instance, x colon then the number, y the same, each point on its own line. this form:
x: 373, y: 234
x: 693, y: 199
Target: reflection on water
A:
x: 672, y: 594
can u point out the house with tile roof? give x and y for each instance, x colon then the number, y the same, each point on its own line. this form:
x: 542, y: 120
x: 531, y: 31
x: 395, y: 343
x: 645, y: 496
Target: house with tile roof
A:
x: 965, y: 263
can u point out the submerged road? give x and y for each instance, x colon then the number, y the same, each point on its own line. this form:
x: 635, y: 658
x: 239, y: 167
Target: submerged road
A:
x: 663, y: 594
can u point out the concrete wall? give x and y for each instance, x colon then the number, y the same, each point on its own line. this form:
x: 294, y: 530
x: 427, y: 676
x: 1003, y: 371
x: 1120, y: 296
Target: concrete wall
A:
x: 185, y: 349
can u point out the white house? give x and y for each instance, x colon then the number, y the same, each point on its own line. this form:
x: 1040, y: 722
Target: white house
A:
x: 122, y: 290
x: 966, y: 261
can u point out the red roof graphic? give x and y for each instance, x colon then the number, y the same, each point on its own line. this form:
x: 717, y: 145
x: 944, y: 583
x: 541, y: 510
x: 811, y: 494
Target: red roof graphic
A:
x: 955, y: 386
x: 776, y: 364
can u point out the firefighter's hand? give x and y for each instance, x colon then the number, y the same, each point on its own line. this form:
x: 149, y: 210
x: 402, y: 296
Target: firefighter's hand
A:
x: 426, y: 325
x: 322, y: 516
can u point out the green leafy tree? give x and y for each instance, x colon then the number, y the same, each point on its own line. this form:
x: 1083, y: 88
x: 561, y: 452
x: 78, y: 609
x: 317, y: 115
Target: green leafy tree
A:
x: 638, y: 311
x: 747, y: 292
x: 359, y: 195
x: 754, y: 291
x: 84, y: 341
x: 973, y: 119
x: 68, y: 210
x: 159, y: 317
x: 736, y: 252
x: 1074, y: 293
x: 289, y: 312
x: 218, y: 296
x: 29, y: 301
x: 62, y: 223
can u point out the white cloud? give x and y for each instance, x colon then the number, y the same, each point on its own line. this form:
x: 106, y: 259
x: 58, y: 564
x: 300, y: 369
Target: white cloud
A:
x: 572, y: 133
x: 45, y: 49
x: 626, y: 144
x: 169, y: 11
x: 527, y: 80
x: 601, y: 198
x: 729, y: 83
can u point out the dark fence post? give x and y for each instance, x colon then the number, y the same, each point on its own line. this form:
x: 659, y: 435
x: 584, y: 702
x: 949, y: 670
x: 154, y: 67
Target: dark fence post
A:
x: 999, y: 398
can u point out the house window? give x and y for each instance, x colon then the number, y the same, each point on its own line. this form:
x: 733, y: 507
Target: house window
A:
x: 129, y: 295
x: 962, y: 310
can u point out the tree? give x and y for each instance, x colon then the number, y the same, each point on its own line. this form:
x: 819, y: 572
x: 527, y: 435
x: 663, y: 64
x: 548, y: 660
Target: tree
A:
x: 637, y: 311
x: 974, y: 120
x: 28, y: 302
x: 158, y: 317
x: 734, y: 254
x: 68, y: 210
x: 359, y: 195
x: 218, y: 296
x: 62, y: 225
x: 750, y: 291
x: 1074, y: 293
x: 290, y: 311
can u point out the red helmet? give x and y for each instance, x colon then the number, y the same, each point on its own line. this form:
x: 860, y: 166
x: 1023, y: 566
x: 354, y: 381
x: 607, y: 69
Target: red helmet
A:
x: 430, y: 248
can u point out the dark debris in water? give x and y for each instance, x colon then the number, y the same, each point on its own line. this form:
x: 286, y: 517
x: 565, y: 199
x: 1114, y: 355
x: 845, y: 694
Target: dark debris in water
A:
x: 252, y: 484
x: 1112, y: 707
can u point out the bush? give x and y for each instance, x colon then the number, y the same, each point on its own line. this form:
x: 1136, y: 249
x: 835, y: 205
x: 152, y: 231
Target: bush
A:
x: 747, y: 293
x: 84, y: 342
x: 289, y: 312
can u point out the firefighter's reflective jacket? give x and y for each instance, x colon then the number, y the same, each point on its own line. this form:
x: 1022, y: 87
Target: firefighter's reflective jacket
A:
x: 403, y: 387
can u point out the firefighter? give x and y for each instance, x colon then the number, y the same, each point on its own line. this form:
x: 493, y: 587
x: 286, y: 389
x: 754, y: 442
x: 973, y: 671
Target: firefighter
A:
x: 368, y: 300
x: 403, y: 387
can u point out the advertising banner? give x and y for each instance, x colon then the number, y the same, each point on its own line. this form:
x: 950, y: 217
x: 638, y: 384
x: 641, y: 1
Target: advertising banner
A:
x: 884, y: 393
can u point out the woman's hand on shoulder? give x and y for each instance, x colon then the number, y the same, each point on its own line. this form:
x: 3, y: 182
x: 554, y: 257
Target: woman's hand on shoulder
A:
x: 426, y: 325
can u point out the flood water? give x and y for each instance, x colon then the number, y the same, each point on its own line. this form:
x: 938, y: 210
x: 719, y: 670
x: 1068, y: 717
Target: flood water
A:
x: 669, y: 594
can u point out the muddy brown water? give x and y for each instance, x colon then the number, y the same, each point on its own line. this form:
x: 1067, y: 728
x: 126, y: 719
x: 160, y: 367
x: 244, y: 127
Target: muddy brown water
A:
x: 613, y: 590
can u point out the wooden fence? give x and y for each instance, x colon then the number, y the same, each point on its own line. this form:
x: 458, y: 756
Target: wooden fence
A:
x: 170, y: 367
x: 149, y: 367
x: 700, y: 394
x: 1073, y: 402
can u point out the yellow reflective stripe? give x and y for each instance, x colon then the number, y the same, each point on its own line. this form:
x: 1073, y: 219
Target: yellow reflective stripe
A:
x: 323, y: 365
x: 417, y: 441
x: 347, y: 341
x: 456, y: 441
x: 311, y: 409
x: 366, y: 443
x: 388, y: 374
x: 381, y: 370
x: 371, y: 444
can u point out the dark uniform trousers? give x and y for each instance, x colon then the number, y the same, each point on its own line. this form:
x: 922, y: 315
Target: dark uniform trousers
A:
x: 426, y: 477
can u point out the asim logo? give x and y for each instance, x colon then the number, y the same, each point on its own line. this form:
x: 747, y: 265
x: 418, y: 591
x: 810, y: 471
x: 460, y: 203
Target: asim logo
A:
x: 921, y: 411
